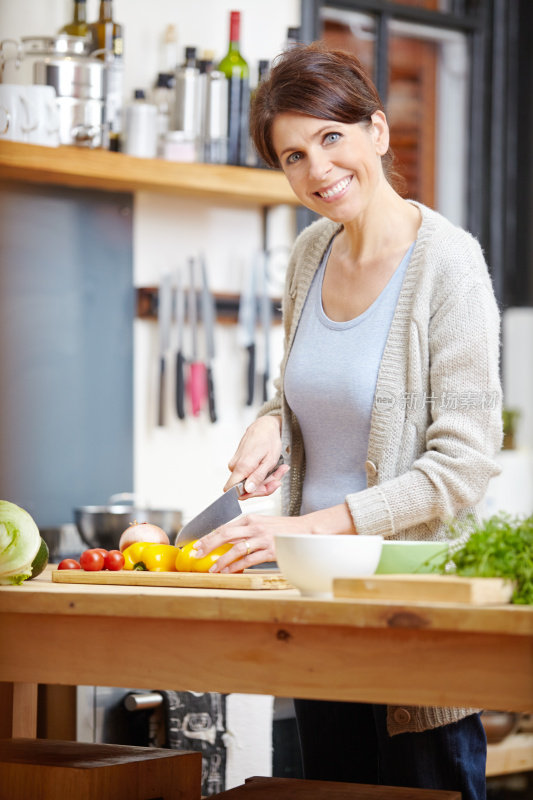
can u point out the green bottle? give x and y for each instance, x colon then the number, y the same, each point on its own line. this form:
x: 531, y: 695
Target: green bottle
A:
x: 78, y: 26
x: 235, y: 68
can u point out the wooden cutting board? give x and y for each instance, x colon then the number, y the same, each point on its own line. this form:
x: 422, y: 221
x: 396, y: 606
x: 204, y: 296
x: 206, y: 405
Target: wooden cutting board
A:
x: 425, y: 588
x: 193, y: 580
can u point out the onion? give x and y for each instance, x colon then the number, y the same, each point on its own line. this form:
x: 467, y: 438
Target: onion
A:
x: 142, y: 532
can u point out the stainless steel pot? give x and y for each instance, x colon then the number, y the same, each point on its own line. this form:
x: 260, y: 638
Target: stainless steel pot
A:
x: 72, y: 76
x: 80, y: 85
x: 102, y: 526
x: 17, y: 56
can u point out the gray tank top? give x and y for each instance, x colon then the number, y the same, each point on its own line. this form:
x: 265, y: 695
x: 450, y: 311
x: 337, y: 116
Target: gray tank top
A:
x: 330, y: 380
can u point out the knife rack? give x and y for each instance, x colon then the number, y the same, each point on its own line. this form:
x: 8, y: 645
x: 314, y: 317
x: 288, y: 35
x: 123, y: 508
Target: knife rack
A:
x: 226, y: 305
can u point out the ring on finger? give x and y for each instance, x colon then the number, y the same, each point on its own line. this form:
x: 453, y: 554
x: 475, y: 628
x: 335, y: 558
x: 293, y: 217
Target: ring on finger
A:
x: 248, y: 550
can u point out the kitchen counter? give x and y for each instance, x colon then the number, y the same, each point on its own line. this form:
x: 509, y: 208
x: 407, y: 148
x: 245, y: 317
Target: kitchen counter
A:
x: 271, y: 641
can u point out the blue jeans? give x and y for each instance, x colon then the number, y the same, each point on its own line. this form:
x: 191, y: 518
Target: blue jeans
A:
x: 349, y: 742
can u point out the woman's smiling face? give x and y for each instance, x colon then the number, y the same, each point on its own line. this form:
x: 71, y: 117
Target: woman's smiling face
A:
x: 334, y: 168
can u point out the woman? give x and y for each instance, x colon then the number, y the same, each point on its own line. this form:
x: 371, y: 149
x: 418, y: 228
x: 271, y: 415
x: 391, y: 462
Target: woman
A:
x: 388, y: 404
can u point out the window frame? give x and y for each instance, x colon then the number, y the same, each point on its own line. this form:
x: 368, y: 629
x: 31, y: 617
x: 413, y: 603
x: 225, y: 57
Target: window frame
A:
x: 492, y: 31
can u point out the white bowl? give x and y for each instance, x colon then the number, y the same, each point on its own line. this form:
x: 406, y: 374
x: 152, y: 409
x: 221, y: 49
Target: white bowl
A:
x: 311, y: 562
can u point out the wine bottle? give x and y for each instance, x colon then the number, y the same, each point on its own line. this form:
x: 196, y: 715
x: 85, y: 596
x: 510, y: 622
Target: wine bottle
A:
x: 235, y: 68
x: 107, y: 36
x: 78, y: 26
x: 106, y: 33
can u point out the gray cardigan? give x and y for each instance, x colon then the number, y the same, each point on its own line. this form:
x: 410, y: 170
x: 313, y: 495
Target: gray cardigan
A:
x: 436, y: 422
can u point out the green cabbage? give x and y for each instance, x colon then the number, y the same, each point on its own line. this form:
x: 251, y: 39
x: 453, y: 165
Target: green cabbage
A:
x: 19, y: 543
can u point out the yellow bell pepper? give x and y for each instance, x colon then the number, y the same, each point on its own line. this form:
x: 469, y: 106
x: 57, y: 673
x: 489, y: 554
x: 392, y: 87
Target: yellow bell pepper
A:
x: 187, y: 562
x: 150, y: 556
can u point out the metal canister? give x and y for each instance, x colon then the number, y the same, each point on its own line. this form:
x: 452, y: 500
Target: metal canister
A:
x: 187, y: 95
x: 214, y: 130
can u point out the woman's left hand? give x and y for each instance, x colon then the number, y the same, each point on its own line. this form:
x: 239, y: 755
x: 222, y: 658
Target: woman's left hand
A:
x: 252, y: 536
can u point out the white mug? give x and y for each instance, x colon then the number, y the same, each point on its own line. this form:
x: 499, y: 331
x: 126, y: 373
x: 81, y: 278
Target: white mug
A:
x: 11, y: 109
x: 43, y: 115
x: 29, y: 114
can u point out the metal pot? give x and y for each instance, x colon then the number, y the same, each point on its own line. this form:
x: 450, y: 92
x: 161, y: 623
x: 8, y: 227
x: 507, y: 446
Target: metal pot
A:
x: 17, y: 57
x: 80, y: 86
x: 102, y: 526
x: 72, y: 76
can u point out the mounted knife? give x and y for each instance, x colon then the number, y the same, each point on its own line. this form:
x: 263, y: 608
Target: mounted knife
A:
x: 180, y: 358
x: 266, y: 323
x: 197, y: 377
x: 246, y: 331
x: 209, y: 316
x: 164, y: 313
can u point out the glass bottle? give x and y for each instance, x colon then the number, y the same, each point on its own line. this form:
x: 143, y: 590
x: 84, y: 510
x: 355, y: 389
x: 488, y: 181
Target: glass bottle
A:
x: 235, y: 68
x: 106, y: 33
x: 78, y: 25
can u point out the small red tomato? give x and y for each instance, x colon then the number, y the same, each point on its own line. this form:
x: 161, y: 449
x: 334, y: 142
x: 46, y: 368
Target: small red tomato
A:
x: 68, y: 563
x: 101, y: 550
x: 91, y: 560
x: 114, y: 560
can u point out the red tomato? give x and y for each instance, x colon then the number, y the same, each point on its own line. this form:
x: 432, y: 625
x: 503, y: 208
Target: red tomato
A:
x: 114, y: 560
x: 91, y: 560
x: 101, y: 550
x: 68, y: 563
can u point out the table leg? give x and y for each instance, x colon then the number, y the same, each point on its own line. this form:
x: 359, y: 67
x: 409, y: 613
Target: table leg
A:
x: 18, y: 702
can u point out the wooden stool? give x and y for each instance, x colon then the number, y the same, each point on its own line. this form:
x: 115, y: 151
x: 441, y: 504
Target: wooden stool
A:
x: 297, y: 789
x: 46, y: 769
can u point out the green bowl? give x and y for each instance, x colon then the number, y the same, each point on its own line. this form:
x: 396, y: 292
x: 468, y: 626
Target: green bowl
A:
x: 409, y: 556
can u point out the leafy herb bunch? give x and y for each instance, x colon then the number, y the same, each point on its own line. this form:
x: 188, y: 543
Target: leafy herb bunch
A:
x: 501, y: 547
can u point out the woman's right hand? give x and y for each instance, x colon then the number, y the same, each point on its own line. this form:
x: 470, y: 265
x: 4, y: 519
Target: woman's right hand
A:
x: 257, y: 454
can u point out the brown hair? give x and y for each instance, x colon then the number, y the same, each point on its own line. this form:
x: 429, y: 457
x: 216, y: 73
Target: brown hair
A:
x: 319, y: 82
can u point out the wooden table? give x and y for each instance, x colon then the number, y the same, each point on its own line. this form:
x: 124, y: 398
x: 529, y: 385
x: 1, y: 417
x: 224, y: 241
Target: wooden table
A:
x: 272, y: 642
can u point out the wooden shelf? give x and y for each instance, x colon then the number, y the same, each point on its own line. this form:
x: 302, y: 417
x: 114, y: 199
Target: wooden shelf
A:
x: 513, y: 754
x: 117, y: 172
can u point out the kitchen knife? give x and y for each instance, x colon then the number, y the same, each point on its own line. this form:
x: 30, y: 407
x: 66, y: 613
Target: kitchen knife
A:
x: 266, y: 322
x: 222, y: 510
x: 164, y: 313
x: 209, y: 316
x: 197, y: 378
x: 246, y: 330
x: 180, y: 358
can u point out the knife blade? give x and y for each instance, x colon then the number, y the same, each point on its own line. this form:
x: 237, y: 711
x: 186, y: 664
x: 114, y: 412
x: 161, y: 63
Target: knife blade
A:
x: 164, y: 313
x: 180, y: 358
x: 209, y: 316
x: 246, y: 330
x: 222, y: 510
